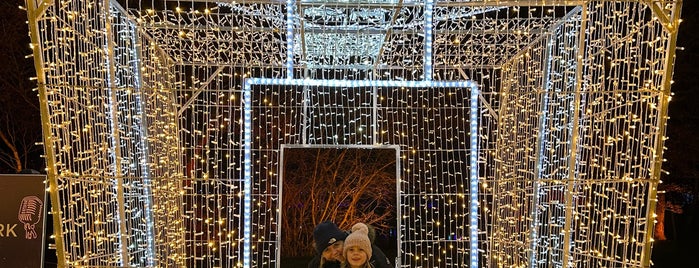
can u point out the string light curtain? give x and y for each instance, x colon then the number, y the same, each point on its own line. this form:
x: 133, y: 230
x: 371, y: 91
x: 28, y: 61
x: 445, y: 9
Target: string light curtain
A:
x: 107, y: 98
x: 530, y: 132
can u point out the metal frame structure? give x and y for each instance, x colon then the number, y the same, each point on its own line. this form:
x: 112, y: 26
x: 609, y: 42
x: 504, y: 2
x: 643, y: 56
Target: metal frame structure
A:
x: 163, y: 121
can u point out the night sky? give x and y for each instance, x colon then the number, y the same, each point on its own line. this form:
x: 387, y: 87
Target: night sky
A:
x: 683, y: 144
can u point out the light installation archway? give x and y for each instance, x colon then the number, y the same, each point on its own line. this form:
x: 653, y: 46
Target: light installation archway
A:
x: 382, y: 108
x: 163, y: 121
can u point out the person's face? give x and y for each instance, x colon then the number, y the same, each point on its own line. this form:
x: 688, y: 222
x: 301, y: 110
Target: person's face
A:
x: 356, y: 256
x: 334, y: 252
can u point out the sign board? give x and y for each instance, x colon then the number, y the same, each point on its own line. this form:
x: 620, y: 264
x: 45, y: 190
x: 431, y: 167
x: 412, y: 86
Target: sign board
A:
x: 22, y: 220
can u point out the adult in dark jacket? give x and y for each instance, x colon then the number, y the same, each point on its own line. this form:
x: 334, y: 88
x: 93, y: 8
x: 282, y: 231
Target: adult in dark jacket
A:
x: 329, y: 241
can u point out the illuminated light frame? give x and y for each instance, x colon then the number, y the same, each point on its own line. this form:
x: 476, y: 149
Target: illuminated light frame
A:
x: 429, y: 9
x: 290, y: 9
x: 147, y: 184
x: 540, y: 152
x: 115, y: 149
x: 247, y: 141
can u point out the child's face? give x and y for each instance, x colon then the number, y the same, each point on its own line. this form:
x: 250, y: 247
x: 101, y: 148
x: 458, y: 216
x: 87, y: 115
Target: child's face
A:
x: 356, y: 256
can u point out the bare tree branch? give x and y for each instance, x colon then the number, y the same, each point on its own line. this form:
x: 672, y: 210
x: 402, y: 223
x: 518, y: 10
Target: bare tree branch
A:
x: 13, y: 149
x: 20, y: 124
x: 345, y: 186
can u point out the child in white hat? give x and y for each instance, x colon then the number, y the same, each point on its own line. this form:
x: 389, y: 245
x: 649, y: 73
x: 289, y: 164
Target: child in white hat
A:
x: 357, y: 248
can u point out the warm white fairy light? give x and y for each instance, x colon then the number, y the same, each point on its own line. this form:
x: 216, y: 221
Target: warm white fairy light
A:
x: 567, y: 120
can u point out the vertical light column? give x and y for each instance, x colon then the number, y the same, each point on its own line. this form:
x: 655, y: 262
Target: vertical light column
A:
x: 668, y: 65
x: 374, y: 128
x: 540, y: 142
x: 138, y: 84
x: 290, y: 39
x: 574, y: 131
x: 247, y: 170
x: 35, y: 11
x: 429, y: 8
x: 113, y: 117
x: 473, y: 180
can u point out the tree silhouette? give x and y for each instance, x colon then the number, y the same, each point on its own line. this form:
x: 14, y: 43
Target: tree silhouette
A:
x: 20, y: 122
x: 345, y: 186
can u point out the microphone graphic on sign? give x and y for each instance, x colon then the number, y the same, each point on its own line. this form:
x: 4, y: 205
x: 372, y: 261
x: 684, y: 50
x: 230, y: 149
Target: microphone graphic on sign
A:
x: 30, y: 214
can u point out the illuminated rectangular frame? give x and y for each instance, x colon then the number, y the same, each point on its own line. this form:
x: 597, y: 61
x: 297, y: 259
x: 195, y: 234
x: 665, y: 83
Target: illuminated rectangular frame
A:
x: 247, y: 144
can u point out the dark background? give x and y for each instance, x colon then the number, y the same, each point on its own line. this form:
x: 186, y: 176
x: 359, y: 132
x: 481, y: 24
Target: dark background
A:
x: 19, y: 115
x: 682, y: 154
